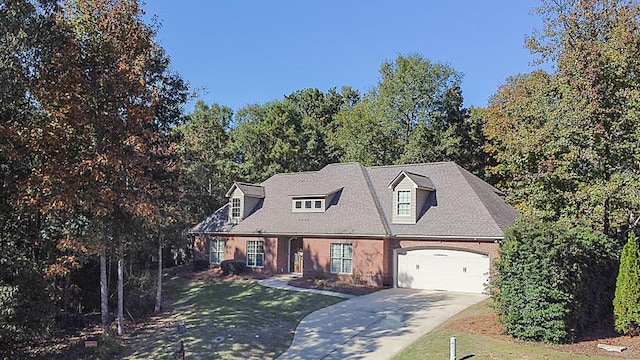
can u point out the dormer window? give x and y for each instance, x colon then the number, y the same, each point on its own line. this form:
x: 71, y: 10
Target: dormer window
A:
x: 410, y: 194
x: 243, y: 200
x: 404, y: 203
x: 235, y: 208
x: 314, y: 202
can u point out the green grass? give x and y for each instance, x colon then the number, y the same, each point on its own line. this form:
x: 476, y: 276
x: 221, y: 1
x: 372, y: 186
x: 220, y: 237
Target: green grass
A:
x: 240, y: 319
x: 435, y: 345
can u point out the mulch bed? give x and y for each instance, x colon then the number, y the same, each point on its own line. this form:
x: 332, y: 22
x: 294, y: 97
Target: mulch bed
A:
x: 488, y: 325
x: 337, y: 286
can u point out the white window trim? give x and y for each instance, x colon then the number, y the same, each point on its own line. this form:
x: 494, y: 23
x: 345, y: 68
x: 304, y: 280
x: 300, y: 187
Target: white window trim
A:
x: 234, y: 207
x: 218, y: 250
x: 341, y: 258
x: 398, y: 203
x: 256, y: 253
x: 308, y: 205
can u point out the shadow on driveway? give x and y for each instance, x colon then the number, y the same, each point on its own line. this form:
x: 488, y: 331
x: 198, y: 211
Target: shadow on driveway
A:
x: 374, y: 326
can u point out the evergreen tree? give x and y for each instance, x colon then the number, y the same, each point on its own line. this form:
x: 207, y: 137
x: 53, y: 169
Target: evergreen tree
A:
x: 626, y: 304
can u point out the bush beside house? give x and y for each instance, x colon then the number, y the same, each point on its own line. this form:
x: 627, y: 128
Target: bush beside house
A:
x: 626, y: 304
x: 553, y: 281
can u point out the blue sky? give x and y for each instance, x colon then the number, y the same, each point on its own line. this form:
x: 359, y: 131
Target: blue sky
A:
x: 243, y: 52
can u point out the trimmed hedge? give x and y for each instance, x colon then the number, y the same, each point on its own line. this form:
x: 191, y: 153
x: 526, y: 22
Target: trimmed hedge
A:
x: 553, y: 282
x: 200, y: 265
x: 235, y: 267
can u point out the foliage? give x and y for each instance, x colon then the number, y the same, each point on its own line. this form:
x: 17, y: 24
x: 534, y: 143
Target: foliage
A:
x: 203, y: 138
x: 199, y: 265
x: 626, y: 303
x: 234, y: 267
x: 414, y: 114
x: 553, y: 281
x: 108, y: 347
x: 566, y: 143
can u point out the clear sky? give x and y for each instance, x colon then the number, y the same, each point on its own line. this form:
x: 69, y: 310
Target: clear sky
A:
x: 239, y: 52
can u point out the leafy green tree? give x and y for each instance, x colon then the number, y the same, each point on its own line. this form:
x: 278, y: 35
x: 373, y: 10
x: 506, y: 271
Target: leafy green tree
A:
x: 414, y: 114
x: 267, y: 140
x: 27, y: 299
x: 362, y: 135
x: 626, y: 303
x: 318, y: 111
x: 203, y: 139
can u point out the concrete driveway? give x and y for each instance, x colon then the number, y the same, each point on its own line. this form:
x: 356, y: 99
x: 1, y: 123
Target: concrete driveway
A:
x: 374, y: 326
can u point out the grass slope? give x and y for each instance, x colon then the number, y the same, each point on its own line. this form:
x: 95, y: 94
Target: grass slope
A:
x: 435, y: 345
x: 225, y: 320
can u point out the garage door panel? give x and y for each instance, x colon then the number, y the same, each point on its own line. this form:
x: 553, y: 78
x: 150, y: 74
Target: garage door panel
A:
x: 438, y: 269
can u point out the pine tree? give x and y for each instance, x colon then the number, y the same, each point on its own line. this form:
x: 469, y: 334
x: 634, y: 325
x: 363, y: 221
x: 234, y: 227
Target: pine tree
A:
x: 626, y: 303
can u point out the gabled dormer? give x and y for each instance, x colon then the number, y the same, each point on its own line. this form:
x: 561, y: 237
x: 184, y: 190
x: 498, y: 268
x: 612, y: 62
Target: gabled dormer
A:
x: 410, y: 193
x: 243, y: 200
x: 314, y: 202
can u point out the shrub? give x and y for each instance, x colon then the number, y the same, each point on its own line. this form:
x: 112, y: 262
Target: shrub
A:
x: 626, y: 304
x: 552, y: 282
x: 235, y: 267
x: 200, y: 264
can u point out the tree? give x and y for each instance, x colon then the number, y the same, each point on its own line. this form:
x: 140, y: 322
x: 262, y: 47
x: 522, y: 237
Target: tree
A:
x: 203, y: 139
x: 267, y: 140
x: 587, y: 117
x: 414, y: 114
x: 319, y: 112
x: 365, y: 136
x: 27, y: 302
x: 104, y: 148
x: 626, y: 303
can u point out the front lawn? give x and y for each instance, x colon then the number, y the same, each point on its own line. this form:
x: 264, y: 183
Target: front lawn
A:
x: 224, y: 319
x: 477, y: 333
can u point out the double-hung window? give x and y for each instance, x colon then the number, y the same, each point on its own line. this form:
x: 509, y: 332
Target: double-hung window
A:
x: 404, y: 203
x: 235, y: 208
x: 255, y: 253
x: 216, y: 251
x: 342, y: 258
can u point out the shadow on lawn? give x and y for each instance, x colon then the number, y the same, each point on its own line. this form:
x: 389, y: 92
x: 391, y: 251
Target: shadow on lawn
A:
x: 238, y: 319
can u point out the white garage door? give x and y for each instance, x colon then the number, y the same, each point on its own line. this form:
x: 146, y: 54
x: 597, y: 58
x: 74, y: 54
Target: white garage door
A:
x: 450, y: 270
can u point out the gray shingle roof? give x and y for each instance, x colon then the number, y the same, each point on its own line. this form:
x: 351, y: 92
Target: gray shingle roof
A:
x: 461, y: 206
x: 252, y: 190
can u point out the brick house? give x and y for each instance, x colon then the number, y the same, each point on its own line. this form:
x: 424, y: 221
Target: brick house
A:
x: 429, y: 226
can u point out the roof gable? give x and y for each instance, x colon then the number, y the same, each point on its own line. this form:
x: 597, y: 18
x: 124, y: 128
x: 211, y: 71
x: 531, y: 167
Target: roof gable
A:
x: 247, y: 189
x: 420, y: 181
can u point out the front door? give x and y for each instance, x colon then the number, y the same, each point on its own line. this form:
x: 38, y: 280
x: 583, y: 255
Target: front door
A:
x: 296, y: 256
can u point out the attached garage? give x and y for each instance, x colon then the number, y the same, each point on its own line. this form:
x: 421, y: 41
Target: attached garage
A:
x: 442, y: 269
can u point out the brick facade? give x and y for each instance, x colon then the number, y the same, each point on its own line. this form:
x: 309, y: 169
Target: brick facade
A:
x: 372, y: 258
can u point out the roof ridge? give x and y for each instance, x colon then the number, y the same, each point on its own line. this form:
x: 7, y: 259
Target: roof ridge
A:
x: 412, y: 164
x: 376, y: 200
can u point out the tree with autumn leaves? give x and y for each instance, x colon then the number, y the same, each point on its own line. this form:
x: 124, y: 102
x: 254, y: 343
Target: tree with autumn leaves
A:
x: 92, y: 122
x: 566, y: 143
x: 566, y: 151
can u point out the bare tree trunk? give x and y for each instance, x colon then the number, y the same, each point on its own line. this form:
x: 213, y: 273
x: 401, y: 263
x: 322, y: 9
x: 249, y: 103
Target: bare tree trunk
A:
x: 104, y: 292
x: 158, y: 307
x: 120, y: 289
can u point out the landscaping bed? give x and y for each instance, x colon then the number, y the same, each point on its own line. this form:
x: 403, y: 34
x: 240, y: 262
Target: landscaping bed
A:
x: 334, y: 285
